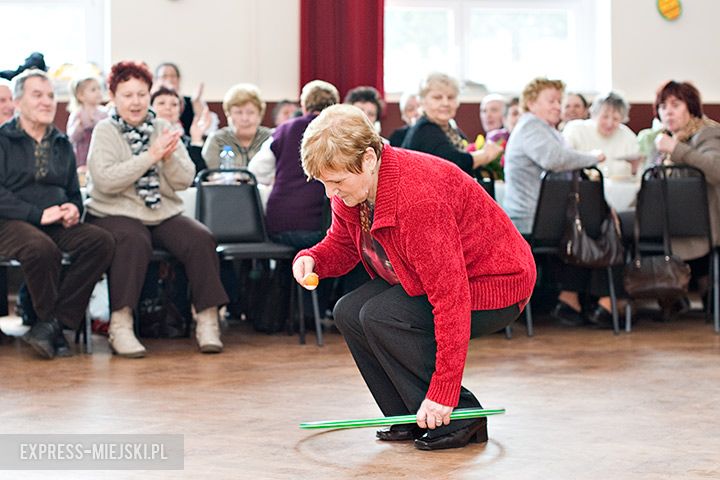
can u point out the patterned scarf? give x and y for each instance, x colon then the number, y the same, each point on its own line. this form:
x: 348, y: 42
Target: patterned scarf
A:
x: 455, y: 137
x: 147, y: 186
x: 694, y: 126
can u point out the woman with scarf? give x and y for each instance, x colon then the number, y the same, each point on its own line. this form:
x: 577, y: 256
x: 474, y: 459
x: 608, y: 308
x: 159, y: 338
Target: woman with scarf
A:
x: 692, y: 139
x: 436, y: 132
x: 137, y: 162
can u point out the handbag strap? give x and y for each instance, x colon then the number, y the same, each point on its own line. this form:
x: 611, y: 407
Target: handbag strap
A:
x: 657, y: 172
x: 574, y: 198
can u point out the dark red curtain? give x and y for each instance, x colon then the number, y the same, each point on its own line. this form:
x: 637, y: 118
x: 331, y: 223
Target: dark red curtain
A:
x: 341, y: 42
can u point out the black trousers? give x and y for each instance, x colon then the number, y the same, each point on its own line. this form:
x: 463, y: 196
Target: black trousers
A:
x: 55, y: 292
x: 391, y: 336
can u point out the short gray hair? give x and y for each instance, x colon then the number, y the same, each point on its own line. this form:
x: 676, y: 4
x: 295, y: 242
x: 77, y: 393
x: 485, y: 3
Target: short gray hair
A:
x: 436, y: 79
x: 19, y: 81
x: 613, y: 100
x: 6, y: 83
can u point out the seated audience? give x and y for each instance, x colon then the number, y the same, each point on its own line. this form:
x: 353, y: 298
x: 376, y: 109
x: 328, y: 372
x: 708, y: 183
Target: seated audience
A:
x: 691, y: 139
x: 86, y: 111
x: 369, y: 101
x: 409, y: 112
x: 244, y: 110
x: 168, y: 106
x: 534, y: 146
x: 7, y: 108
x: 492, y: 111
x: 295, y: 206
x: 605, y: 131
x: 512, y: 114
x: 137, y: 162
x: 435, y: 132
x: 574, y: 107
x: 167, y: 75
x: 40, y: 208
x: 283, y: 111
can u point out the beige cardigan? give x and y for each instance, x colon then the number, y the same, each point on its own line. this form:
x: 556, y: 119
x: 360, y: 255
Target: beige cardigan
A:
x: 113, y: 170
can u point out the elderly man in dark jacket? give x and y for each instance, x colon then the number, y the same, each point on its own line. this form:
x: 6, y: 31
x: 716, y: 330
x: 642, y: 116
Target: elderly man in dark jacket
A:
x: 40, y: 208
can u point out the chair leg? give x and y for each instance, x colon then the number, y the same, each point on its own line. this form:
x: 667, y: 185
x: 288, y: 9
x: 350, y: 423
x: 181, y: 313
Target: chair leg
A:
x: 88, y: 333
x: 628, y: 316
x: 301, y: 312
x: 508, y: 332
x: 291, y: 308
x: 318, y: 322
x: 715, y: 304
x: 613, y: 302
x: 529, y: 320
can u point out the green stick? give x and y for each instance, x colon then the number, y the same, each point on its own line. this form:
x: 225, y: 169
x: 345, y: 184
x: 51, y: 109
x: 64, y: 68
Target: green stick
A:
x: 400, y: 419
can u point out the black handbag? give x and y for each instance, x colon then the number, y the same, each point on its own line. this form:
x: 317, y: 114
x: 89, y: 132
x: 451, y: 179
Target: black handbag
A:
x: 578, y: 248
x: 656, y: 276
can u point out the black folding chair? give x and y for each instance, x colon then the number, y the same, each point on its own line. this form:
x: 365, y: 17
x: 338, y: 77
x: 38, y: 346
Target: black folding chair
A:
x: 233, y: 213
x: 550, y: 219
x: 486, y: 178
x: 687, y: 216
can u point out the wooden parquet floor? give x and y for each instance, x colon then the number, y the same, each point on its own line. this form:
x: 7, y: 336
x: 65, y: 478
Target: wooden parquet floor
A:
x: 581, y: 404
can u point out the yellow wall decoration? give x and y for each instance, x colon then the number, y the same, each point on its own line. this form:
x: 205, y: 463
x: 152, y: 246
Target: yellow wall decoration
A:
x: 669, y: 9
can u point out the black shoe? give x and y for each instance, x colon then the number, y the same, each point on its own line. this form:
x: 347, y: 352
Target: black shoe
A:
x: 601, y: 318
x: 400, y: 433
x: 475, y: 432
x: 62, y: 349
x: 42, y: 337
x: 674, y: 307
x: 566, y: 315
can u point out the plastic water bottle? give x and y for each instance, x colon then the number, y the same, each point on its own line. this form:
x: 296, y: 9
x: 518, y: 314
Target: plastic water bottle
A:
x: 227, y: 158
x: 227, y: 162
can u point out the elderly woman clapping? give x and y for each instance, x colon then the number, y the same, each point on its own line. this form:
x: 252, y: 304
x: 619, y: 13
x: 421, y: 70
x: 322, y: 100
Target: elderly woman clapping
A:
x: 137, y: 162
x: 436, y: 133
x: 447, y: 265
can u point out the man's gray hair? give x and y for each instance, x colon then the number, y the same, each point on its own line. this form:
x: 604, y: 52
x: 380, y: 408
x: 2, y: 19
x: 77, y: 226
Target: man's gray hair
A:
x: 6, y: 83
x: 613, y: 100
x: 18, y: 82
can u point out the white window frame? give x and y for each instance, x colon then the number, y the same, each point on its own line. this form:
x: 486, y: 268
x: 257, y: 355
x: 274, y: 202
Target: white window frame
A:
x: 592, y: 17
x: 96, y: 21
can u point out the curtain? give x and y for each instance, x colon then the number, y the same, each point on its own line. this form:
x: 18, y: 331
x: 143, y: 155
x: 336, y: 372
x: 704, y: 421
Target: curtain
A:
x: 341, y: 42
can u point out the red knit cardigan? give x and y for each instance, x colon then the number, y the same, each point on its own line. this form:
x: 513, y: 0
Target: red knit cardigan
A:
x: 446, y: 238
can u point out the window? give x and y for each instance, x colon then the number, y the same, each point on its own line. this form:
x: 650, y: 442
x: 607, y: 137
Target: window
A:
x: 64, y: 31
x: 497, y: 45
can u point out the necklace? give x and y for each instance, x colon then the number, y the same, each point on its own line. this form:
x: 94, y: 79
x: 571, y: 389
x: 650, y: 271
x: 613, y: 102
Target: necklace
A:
x: 365, y: 220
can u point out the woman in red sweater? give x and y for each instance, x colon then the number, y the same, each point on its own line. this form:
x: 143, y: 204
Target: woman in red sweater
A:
x: 447, y: 265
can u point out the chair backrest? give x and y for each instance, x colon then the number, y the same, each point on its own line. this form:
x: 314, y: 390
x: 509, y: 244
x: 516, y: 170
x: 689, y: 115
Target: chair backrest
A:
x: 687, y: 203
x: 551, y: 212
x: 486, y: 178
x: 232, y: 212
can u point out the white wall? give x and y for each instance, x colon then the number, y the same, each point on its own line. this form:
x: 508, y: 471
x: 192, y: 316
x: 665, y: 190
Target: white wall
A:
x: 220, y: 42
x: 227, y: 41
x: 648, y: 50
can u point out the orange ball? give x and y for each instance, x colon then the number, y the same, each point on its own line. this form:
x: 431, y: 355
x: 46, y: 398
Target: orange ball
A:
x: 311, y: 281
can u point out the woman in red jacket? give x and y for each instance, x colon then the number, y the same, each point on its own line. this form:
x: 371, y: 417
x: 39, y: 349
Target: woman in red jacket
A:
x: 447, y: 265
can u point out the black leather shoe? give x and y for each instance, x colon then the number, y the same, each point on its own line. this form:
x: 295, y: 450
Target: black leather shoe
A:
x: 566, y: 315
x: 601, y: 318
x: 42, y: 337
x: 400, y: 433
x: 62, y: 349
x: 671, y: 308
x: 475, y: 432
